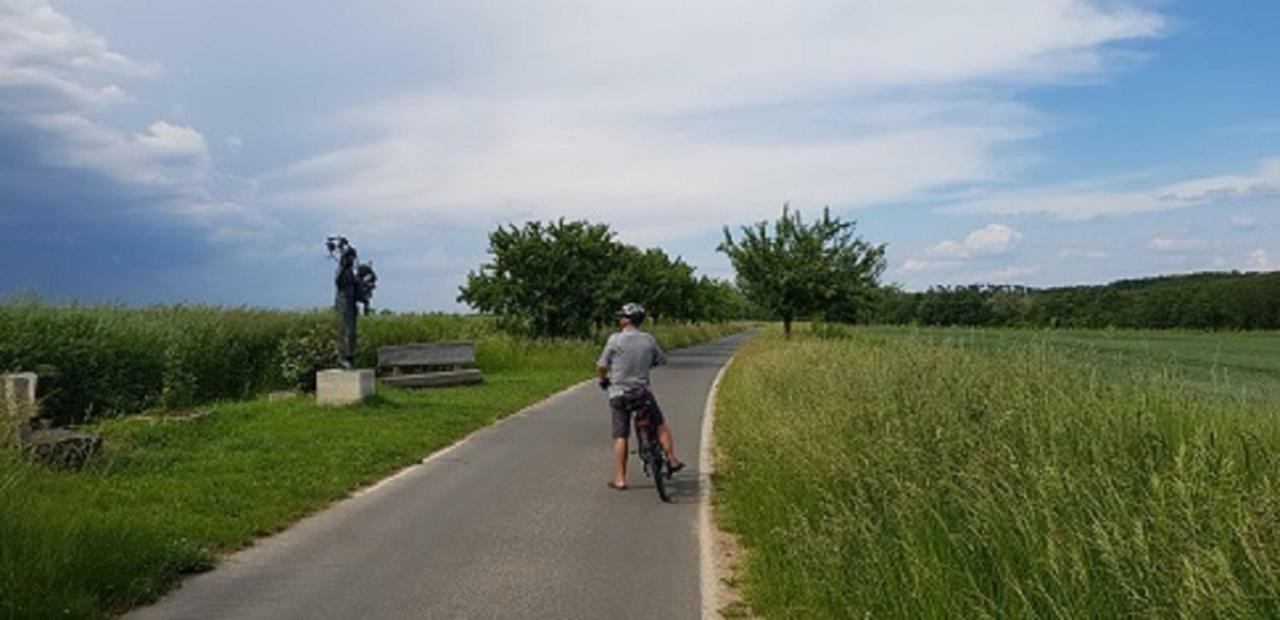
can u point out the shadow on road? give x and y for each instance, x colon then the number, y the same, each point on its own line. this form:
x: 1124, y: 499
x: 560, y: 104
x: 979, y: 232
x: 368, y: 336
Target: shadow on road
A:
x: 683, y: 489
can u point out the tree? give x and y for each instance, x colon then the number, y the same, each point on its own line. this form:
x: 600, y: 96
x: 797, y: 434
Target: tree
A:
x: 801, y: 269
x: 718, y: 301
x: 663, y: 285
x: 546, y: 279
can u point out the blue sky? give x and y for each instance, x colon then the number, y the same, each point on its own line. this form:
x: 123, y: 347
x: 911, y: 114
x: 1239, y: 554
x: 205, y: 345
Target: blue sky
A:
x: 157, y: 151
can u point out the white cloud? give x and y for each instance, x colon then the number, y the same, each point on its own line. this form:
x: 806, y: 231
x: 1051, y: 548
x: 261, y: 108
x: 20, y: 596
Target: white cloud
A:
x: 55, y: 72
x: 163, y: 155
x: 1176, y: 244
x: 913, y: 265
x: 54, y: 63
x: 1242, y: 222
x: 1077, y: 202
x: 1260, y: 260
x: 55, y: 75
x: 669, y: 119
x: 990, y: 240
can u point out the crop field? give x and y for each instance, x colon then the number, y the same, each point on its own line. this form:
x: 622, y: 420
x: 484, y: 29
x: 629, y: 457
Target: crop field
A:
x: 177, y: 487
x: 948, y: 473
x: 1231, y: 364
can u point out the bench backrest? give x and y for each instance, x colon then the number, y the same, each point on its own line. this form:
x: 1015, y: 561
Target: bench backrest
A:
x: 456, y: 353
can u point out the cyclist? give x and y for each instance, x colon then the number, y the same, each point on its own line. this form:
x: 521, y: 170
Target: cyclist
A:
x: 623, y: 370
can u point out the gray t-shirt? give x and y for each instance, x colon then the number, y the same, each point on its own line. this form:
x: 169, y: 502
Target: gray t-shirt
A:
x: 628, y: 356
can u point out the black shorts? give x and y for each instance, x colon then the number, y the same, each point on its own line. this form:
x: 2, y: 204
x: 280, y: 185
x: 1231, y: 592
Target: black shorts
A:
x: 622, y: 406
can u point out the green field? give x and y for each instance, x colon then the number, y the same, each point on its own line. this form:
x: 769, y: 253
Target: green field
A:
x: 948, y: 473
x: 1231, y: 364
x: 174, y: 489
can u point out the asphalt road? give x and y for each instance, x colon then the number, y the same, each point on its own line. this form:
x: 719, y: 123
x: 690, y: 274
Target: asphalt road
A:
x: 515, y: 522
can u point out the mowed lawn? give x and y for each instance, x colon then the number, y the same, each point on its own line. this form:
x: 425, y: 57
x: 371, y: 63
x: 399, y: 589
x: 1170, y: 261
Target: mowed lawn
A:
x: 955, y: 473
x: 170, y: 494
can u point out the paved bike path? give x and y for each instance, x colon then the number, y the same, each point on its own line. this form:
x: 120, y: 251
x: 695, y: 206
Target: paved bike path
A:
x: 516, y: 522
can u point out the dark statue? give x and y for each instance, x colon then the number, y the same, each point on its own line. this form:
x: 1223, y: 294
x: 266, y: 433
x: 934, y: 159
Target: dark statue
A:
x: 355, y: 283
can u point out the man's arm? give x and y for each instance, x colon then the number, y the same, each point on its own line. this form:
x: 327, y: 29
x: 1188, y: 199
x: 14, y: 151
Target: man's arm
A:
x: 602, y: 364
x: 659, y: 358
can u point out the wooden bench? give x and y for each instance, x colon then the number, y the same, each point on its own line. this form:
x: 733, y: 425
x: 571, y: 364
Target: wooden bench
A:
x: 429, y: 364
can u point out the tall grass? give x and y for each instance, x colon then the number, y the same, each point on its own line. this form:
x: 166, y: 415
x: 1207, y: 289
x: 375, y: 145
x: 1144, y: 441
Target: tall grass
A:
x: 99, y: 361
x: 918, y: 478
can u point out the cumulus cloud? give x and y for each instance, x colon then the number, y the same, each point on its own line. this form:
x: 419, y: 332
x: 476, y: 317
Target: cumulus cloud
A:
x: 665, y: 119
x: 990, y: 240
x: 55, y: 76
x: 48, y: 61
x: 669, y: 119
x: 1076, y: 202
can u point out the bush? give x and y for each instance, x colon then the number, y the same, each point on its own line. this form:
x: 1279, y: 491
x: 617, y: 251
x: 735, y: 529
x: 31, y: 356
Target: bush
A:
x: 306, y: 352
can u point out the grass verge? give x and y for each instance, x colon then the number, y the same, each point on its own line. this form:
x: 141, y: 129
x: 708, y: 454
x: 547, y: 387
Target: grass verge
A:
x: 171, y: 494
x: 904, y: 475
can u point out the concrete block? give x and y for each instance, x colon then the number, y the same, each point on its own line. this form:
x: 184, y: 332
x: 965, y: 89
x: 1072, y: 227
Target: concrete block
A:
x: 17, y: 404
x: 343, y: 387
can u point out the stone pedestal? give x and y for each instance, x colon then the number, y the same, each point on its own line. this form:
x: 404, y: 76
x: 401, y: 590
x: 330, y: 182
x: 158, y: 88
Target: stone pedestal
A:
x: 17, y: 404
x: 343, y: 387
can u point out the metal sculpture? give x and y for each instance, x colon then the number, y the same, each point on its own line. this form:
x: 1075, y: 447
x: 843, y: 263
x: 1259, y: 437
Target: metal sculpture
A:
x: 355, y: 283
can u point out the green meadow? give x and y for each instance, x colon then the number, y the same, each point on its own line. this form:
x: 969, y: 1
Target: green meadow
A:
x: 959, y: 473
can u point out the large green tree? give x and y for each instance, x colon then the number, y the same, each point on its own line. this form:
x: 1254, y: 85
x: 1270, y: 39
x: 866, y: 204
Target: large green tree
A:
x: 665, y: 286
x: 560, y: 278
x: 546, y: 278
x: 800, y: 270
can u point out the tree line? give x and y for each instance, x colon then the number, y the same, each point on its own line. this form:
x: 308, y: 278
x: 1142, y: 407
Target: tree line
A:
x: 562, y: 279
x: 1210, y: 300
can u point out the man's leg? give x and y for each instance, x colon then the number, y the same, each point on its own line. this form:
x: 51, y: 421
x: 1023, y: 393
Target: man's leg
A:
x: 621, y: 431
x: 668, y: 444
x: 620, y: 454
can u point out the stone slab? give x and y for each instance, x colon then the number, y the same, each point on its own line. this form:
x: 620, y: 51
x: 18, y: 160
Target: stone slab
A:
x: 451, y: 353
x: 436, y: 379
x: 338, y: 386
x: 62, y: 447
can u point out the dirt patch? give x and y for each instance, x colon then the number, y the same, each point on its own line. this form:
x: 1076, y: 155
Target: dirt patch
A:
x: 728, y: 558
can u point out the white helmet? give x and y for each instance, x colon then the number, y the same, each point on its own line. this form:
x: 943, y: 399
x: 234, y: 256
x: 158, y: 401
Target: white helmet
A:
x: 634, y: 313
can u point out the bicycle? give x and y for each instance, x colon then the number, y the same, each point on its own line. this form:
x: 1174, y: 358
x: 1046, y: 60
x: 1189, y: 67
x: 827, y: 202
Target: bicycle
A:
x: 648, y: 448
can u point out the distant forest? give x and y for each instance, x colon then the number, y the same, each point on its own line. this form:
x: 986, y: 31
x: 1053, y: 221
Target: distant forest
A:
x: 1231, y: 300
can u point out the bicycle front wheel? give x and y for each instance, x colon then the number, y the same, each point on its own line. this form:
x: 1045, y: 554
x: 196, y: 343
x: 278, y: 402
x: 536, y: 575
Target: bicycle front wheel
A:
x: 658, y: 464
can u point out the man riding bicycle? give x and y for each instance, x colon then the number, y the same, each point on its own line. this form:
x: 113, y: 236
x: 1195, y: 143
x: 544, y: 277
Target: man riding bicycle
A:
x: 623, y: 370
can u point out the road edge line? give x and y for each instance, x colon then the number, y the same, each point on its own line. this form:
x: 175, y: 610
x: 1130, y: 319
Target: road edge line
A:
x: 710, y: 580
